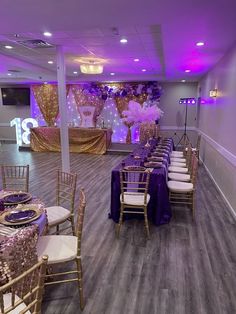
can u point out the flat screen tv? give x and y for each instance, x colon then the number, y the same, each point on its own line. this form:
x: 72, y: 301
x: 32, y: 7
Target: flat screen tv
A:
x: 15, y: 96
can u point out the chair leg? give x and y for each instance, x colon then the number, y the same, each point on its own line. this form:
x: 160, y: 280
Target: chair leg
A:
x: 80, y: 283
x: 146, y: 223
x: 120, y: 221
x: 193, y: 205
x: 72, y: 225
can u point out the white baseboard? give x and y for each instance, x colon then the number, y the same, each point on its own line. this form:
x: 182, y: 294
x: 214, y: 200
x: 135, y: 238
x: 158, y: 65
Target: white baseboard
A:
x: 177, y: 128
x: 232, y: 210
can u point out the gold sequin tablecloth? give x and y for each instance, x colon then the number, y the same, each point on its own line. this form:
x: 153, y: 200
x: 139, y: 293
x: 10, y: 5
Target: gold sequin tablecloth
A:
x: 81, y: 140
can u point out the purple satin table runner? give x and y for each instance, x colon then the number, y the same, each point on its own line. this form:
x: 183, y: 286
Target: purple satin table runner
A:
x: 159, y: 210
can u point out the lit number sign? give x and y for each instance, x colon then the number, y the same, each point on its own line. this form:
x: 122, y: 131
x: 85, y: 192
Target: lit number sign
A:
x: 25, y: 125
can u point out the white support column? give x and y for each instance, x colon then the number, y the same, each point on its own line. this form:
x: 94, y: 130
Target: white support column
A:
x: 65, y: 155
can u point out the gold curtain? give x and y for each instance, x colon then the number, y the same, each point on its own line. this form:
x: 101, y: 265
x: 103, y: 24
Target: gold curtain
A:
x: 46, y: 96
x: 122, y: 104
x: 84, y: 98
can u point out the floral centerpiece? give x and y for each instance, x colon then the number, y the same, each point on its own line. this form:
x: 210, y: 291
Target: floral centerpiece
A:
x: 143, y: 115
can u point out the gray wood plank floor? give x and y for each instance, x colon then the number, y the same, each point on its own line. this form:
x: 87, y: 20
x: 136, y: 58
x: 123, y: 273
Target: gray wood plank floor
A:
x: 186, y: 267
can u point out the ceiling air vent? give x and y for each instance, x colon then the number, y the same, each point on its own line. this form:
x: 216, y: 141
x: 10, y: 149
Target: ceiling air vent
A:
x: 35, y: 43
x: 14, y: 71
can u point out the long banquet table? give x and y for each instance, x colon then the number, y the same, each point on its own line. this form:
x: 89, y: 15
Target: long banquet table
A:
x: 81, y: 140
x: 159, y: 211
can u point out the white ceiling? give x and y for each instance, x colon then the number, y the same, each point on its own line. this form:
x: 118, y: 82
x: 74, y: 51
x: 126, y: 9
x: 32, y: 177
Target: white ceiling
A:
x: 162, y: 34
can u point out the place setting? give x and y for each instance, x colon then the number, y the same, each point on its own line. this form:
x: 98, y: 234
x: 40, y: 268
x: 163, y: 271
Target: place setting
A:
x: 15, y: 209
x: 14, y: 198
x: 20, y: 215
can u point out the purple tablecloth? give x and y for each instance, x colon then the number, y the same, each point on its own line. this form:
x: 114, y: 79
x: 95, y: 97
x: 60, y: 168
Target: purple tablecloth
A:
x: 159, y: 211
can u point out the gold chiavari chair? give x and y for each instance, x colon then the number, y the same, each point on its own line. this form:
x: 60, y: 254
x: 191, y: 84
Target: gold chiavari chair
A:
x: 196, y: 149
x: 181, y: 153
x: 183, y: 177
x: 183, y: 193
x: 15, y: 298
x: 63, y: 249
x: 182, y: 167
x: 65, y: 199
x: 134, y: 196
x: 15, y: 178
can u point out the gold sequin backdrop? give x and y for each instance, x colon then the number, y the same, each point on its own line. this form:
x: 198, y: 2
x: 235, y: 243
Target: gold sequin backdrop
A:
x: 46, y: 96
x: 82, y: 98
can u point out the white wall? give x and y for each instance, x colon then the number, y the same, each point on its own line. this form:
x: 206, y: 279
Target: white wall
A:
x: 174, y: 113
x: 7, y: 113
x: 218, y: 126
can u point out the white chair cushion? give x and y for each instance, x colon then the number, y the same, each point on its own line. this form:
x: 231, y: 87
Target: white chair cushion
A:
x: 57, y: 214
x: 177, y: 154
x: 176, y: 186
x: 7, y: 303
x: 177, y: 169
x: 179, y: 176
x: 176, y: 159
x: 59, y: 248
x: 134, y: 198
x: 178, y: 164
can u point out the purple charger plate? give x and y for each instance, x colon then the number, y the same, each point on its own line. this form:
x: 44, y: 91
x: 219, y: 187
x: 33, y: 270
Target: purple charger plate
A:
x: 21, y: 215
x: 16, y: 198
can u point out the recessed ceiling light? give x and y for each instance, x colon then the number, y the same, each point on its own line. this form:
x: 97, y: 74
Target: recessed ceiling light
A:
x: 75, y: 72
x: 8, y: 47
x: 50, y: 62
x: 9, y: 74
x: 136, y: 60
x: 47, y: 34
x: 187, y: 71
x: 183, y: 81
x: 200, y: 43
x: 112, y: 73
x: 123, y: 40
x: 144, y: 70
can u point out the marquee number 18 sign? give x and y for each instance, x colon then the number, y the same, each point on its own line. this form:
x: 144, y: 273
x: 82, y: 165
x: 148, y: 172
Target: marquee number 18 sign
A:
x: 23, y: 129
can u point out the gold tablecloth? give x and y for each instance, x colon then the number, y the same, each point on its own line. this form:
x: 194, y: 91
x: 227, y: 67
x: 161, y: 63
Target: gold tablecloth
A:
x: 81, y: 140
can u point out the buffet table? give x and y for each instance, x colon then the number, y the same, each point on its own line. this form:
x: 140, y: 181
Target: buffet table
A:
x: 81, y: 140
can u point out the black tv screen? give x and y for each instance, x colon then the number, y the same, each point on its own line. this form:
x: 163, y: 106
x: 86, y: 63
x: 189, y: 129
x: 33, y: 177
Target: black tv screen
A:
x: 15, y: 96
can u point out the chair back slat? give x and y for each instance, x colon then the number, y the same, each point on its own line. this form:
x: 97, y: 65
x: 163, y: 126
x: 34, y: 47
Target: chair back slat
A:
x: 134, y: 181
x: 189, y: 156
x: 194, y: 169
x: 15, y: 178
x: 80, y: 218
x: 198, y: 141
x: 30, y: 299
x: 66, y: 187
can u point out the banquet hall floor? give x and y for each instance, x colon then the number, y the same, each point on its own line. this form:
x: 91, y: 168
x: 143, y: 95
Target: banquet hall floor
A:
x: 186, y: 267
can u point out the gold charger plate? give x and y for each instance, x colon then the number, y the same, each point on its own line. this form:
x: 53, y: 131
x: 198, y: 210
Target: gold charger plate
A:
x: 25, y: 200
x: 152, y: 164
x: 134, y: 168
x: 34, y: 207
